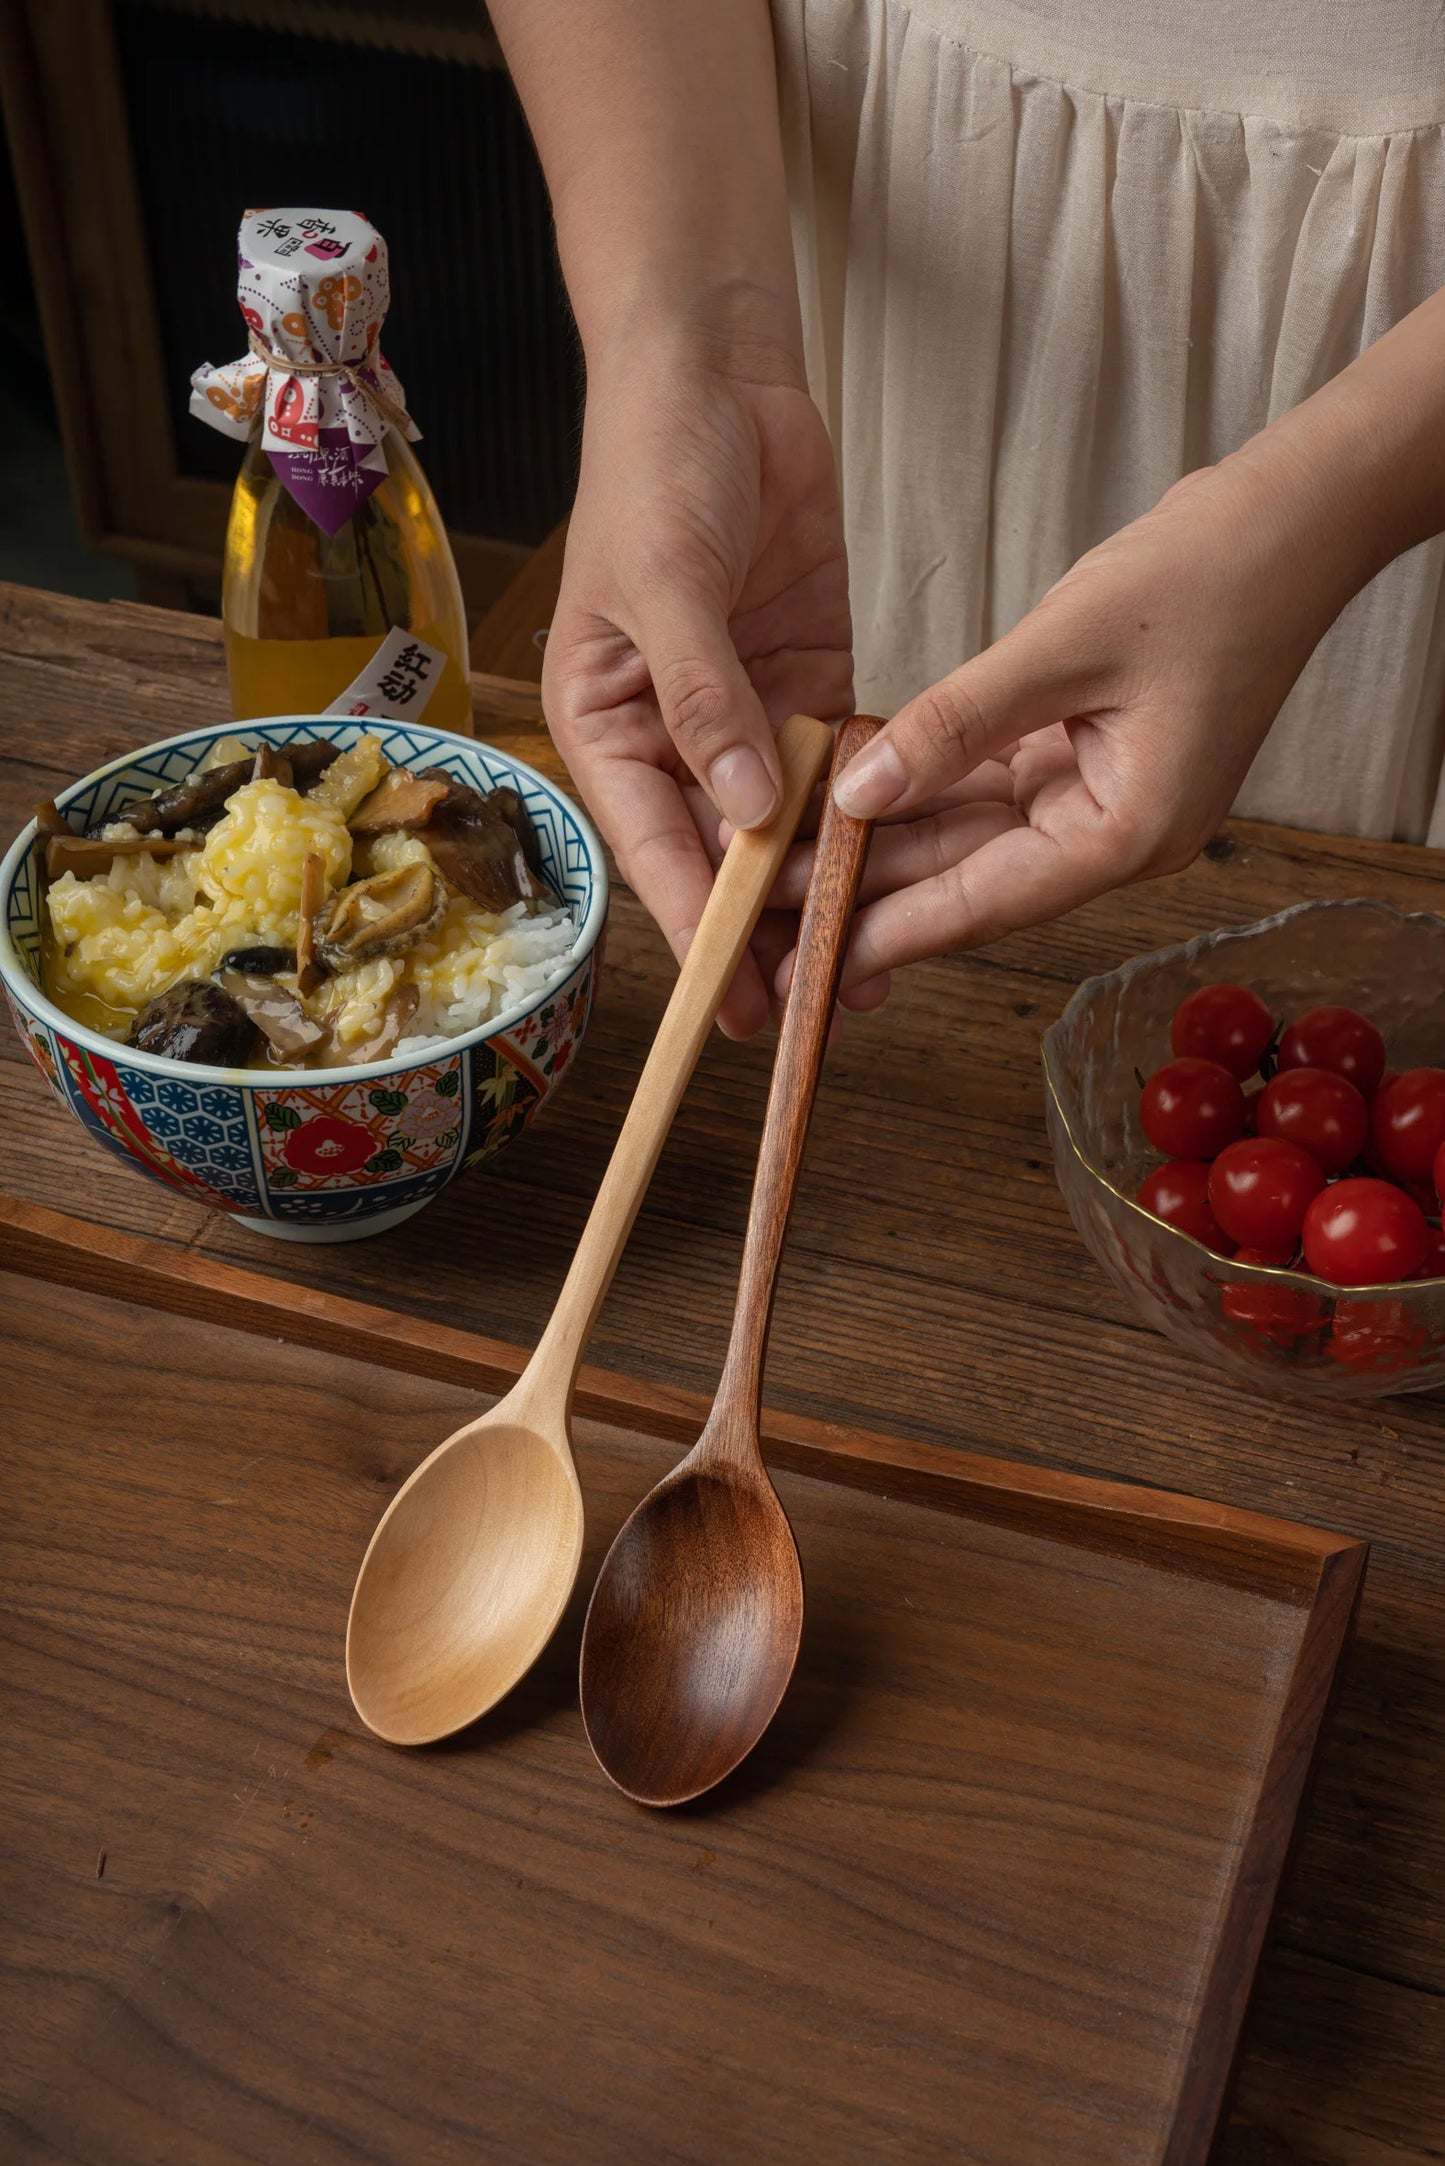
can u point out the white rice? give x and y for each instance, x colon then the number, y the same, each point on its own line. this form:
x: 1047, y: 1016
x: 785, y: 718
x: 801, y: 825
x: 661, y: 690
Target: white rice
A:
x: 523, y: 957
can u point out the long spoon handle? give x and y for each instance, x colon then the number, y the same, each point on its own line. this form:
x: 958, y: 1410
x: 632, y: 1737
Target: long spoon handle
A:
x: 802, y: 1041
x: 745, y: 877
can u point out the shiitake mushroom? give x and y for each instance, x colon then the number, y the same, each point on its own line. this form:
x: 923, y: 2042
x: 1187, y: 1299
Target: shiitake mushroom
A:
x: 196, y: 1020
x: 486, y: 846
x: 199, y: 801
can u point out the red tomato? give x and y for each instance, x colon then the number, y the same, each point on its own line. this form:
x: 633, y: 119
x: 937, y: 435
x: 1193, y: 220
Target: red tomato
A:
x: 1260, y: 1189
x: 1226, y: 1023
x: 1273, y: 1259
x: 1281, y: 1314
x: 1337, y: 1039
x: 1376, y: 1335
x: 1434, y: 1265
x: 1179, y: 1194
x: 1318, y: 1109
x: 1407, y: 1123
x: 1440, y: 1173
x: 1191, y: 1108
x: 1364, y: 1233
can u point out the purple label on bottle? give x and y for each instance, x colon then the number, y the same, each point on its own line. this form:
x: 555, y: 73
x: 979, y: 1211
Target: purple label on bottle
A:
x: 328, y: 483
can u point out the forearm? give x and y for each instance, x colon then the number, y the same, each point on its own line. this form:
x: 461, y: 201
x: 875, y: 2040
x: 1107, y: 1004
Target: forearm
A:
x: 657, y: 126
x: 1356, y: 473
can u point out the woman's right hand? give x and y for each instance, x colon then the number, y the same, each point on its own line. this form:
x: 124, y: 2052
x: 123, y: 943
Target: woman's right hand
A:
x: 704, y: 599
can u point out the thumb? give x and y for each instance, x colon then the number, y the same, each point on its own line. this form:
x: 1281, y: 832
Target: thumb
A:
x: 1025, y: 681
x: 710, y: 709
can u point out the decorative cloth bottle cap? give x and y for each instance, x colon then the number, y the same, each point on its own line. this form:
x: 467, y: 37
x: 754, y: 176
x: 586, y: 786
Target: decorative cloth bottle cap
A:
x: 314, y: 291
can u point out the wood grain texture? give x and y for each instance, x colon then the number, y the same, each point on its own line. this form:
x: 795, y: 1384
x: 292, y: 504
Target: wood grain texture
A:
x: 474, y: 1559
x: 696, y: 1616
x: 928, y: 1223
x: 237, y: 1929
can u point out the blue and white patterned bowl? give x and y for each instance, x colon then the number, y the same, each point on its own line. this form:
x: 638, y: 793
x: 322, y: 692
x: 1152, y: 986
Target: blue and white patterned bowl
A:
x: 340, y: 1152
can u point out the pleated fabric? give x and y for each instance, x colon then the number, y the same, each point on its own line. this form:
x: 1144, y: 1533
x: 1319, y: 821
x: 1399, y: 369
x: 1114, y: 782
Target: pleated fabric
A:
x: 1055, y: 255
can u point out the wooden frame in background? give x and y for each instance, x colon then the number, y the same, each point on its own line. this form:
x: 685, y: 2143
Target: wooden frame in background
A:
x: 64, y: 112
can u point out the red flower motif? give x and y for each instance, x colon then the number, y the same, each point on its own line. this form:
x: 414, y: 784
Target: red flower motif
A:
x: 328, y: 1145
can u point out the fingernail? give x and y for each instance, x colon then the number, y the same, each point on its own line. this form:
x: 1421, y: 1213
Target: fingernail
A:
x: 870, y: 783
x: 742, y: 789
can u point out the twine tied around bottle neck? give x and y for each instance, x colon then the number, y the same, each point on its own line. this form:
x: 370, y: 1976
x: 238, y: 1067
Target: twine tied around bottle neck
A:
x: 386, y: 407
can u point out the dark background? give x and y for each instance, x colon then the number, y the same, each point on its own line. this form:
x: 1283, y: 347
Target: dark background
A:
x: 224, y: 115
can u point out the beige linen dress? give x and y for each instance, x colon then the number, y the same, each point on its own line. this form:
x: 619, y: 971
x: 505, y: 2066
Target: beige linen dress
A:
x: 1056, y: 253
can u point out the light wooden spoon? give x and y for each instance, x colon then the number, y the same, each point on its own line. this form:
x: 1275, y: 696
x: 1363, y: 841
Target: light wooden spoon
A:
x: 697, y: 1614
x: 468, y: 1573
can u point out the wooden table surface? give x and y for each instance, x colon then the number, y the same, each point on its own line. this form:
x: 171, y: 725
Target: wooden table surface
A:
x: 928, y: 1221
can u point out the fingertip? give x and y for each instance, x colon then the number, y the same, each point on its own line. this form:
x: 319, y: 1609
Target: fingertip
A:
x: 873, y: 780
x: 872, y: 993
x: 745, y: 1005
x: 742, y: 788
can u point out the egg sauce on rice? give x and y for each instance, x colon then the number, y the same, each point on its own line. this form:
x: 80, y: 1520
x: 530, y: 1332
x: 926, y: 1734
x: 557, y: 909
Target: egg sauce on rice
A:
x: 117, y: 940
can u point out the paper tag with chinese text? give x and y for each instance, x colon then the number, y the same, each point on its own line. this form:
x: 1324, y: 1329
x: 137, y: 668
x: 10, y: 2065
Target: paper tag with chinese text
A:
x: 396, y: 683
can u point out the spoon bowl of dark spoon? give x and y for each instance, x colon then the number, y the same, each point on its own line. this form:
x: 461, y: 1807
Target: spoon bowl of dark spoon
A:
x: 703, y: 1669
x: 696, y: 1618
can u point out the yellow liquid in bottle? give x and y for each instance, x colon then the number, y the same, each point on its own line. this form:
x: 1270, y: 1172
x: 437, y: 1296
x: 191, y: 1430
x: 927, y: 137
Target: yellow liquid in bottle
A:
x: 304, y: 612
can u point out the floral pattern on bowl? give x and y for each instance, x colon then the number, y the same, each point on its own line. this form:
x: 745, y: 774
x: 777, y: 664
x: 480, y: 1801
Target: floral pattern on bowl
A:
x: 329, y: 1154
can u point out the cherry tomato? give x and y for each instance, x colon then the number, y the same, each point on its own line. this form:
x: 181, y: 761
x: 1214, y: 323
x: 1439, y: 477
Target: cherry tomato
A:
x: 1318, y: 1109
x: 1364, y: 1233
x: 1281, y: 1314
x: 1273, y: 1259
x: 1260, y: 1189
x: 1434, y: 1265
x: 1407, y: 1123
x: 1379, y: 1336
x: 1226, y: 1023
x: 1337, y: 1039
x: 1191, y: 1108
x: 1440, y: 1173
x: 1179, y: 1194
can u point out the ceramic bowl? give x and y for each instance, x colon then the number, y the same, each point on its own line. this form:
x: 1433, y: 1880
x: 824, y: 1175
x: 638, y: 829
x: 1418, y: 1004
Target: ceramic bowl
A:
x: 1282, y: 1329
x: 337, y: 1153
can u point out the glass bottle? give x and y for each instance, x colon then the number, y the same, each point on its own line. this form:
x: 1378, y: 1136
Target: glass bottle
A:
x: 304, y: 611
x: 339, y: 579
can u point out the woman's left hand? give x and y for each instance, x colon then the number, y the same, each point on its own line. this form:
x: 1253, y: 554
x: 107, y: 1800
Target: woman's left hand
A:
x: 1104, y: 738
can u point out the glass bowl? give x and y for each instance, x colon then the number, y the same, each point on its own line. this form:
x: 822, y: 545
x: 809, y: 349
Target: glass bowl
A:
x: 1282, y: 1329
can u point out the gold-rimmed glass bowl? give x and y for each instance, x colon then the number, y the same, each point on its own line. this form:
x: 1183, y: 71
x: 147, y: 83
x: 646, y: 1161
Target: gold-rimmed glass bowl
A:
x: 1281, y: 1329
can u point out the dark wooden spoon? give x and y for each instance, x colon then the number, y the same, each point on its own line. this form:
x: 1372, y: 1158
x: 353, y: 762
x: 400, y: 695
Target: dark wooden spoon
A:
x: 695, y: 1621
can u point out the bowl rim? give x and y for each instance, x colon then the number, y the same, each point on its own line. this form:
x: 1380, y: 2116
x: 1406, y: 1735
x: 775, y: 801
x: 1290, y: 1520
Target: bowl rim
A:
x: 28, y: 996
x: 1086, y: 989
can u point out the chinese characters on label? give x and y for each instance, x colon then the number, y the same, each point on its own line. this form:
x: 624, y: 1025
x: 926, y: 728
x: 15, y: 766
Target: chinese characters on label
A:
x: 397, y: 682
x: 315, y: 235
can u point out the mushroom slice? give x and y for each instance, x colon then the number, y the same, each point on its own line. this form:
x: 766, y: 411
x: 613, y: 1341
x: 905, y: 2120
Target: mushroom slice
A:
x: 83, y: 855
x: 397, y: 1011
x: 259, y: 961
x: 381, y: 916
x: 309, y: 969
x: 270, y: 765
x: 479, y: 849
x: 505, y: 800
x: 195, y: 1020
x: 278, y: 1014
x: 185, y: 804
x: 50, y: 820
x: 400, y: 799
x: 310, y: 761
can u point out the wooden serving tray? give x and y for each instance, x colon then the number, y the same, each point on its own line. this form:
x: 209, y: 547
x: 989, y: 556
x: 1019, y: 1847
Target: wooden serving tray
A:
x: 993, y: 1887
